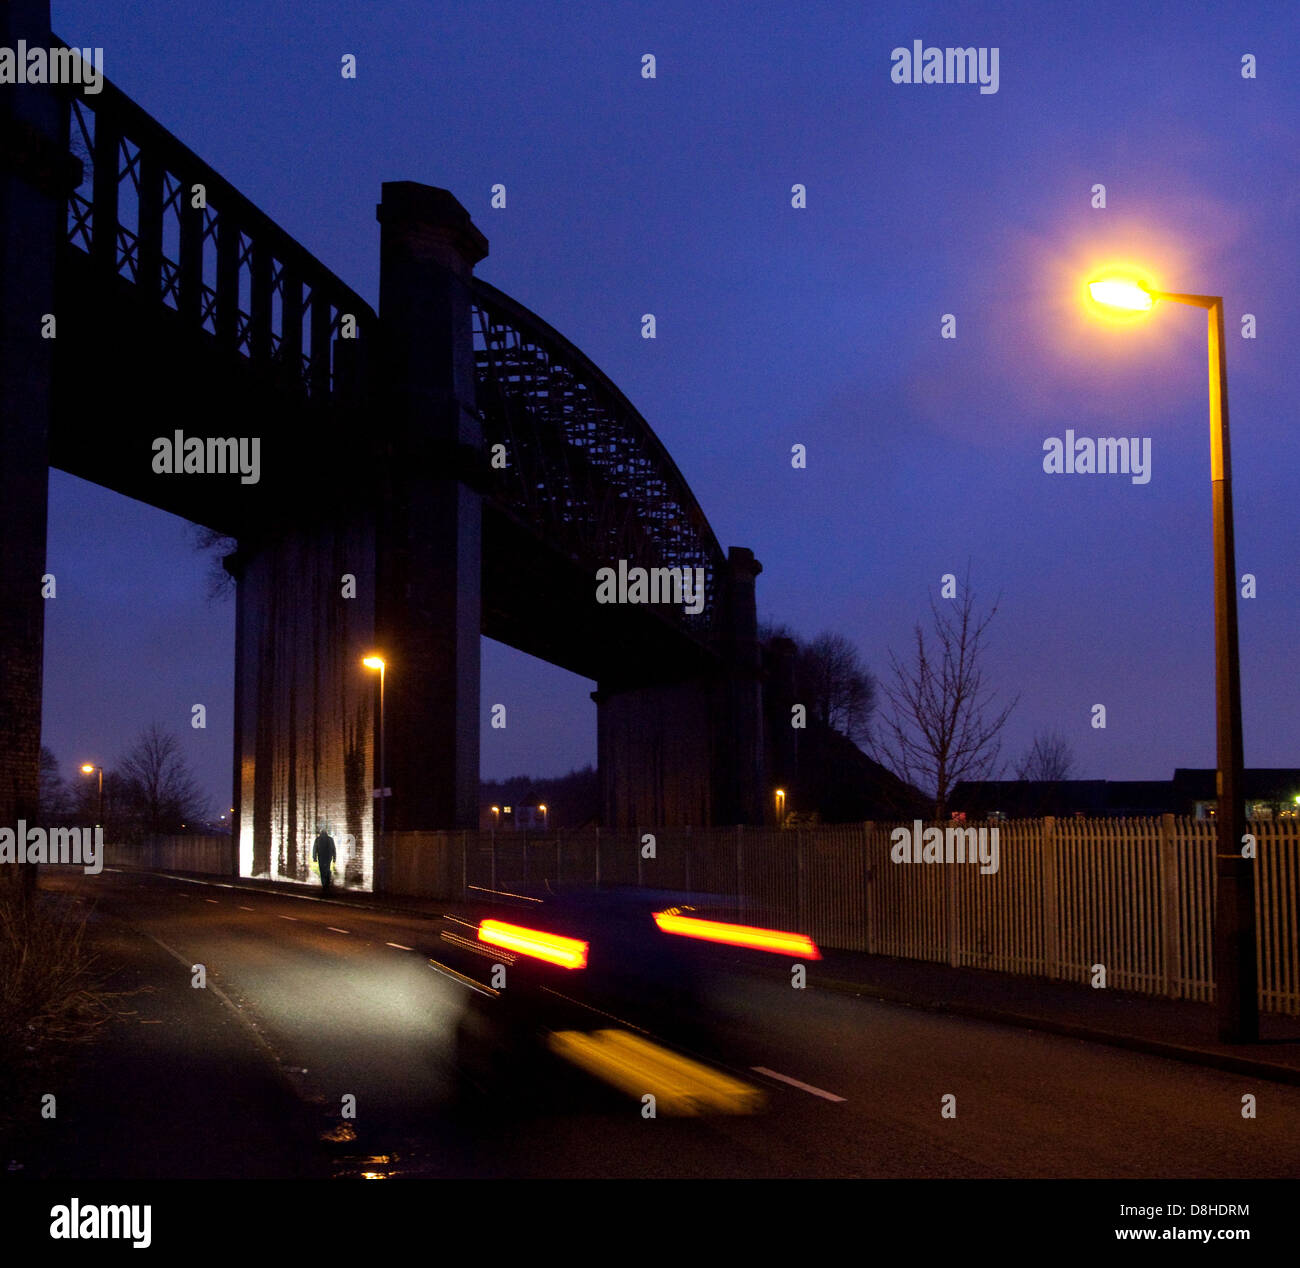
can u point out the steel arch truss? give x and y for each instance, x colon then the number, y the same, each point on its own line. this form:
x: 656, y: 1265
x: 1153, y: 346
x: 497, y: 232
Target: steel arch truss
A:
x: 585, y: 471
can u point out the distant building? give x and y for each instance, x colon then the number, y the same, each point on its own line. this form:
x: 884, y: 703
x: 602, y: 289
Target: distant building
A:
x: 1269, y: 794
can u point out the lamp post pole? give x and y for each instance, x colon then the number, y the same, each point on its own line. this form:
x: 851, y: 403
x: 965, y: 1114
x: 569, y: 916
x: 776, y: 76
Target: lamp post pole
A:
x: 1236, y: 974
x: 86, y: 768
x: 382, y: 784
x: 378, y: 662
x: 1235, y: 971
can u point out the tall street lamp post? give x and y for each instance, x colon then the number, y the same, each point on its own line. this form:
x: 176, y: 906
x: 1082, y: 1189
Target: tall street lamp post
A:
x: 377, y: 662
x: 1236, y: 984
x: 89, y: 768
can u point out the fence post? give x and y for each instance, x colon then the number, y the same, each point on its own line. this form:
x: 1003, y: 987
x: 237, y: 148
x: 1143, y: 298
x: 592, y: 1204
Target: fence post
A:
x: 800, y: 886
x: 954, y: 936
x: 1171, y: 944
x: 1049, y: 902
x: 868, y: 894
x: 740, y: 868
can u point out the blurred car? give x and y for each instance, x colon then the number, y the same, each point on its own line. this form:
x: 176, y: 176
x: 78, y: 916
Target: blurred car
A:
x: 613, y: 962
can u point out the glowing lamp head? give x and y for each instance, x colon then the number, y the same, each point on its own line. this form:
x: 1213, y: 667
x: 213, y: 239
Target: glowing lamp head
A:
x: 87, y: 769
x: 1122, y: 293
x: 373, y: 662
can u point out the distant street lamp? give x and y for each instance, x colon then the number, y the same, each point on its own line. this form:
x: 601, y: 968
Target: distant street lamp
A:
x: 780, y: 806
x: 1236, y: 984
x: 377, y: 662
x: 545, y: 819
x: 89, y: 768
x: 496, y: 815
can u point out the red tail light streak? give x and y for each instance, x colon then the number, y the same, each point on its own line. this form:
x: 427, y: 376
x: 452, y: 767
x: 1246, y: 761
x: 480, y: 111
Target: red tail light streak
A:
x: 775, y: 940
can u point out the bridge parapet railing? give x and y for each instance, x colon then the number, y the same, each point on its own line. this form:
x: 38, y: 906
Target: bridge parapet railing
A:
x: 150, y: 212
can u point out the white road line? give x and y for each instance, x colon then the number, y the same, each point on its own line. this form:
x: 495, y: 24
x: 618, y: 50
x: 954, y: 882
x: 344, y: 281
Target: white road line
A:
x: 491, y: 992
x: 333, y: 930
x: 212, y: 900
x: 243, y: 908
x: 399, y: 946
x: 287, y: 917
x: 803, y: 1087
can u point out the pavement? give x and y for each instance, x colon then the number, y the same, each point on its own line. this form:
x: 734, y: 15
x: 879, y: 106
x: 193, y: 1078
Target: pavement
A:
x: 185, y: 1090
x: 1180, y: 1030
x: 1177, y: 1029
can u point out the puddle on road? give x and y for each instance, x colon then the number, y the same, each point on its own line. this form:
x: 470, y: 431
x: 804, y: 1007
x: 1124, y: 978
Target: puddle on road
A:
x: 371, y: 1167
x: 339, y: 1135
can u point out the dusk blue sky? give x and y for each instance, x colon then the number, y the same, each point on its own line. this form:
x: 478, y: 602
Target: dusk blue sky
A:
x: 779, y: 326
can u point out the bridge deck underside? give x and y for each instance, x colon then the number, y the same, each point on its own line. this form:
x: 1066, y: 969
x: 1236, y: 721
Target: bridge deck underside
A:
x: 128, y: 373
x: 538, y: 600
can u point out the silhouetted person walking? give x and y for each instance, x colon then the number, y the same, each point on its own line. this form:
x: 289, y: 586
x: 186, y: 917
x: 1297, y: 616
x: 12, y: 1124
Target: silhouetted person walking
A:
x: 322, y: 852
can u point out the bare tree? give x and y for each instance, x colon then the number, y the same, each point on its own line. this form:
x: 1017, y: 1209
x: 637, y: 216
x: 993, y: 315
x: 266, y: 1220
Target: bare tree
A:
x: 839, y: 690
x: 221, y: 585
x: 120, y: 811
x: 55, y: 799
x: 831, y: 680
x: 162, y: 792
x: 941, y: 726
x: 1049, y: 759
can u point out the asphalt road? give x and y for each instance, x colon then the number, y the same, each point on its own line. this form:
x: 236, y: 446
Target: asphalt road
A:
x: 310, y: 1002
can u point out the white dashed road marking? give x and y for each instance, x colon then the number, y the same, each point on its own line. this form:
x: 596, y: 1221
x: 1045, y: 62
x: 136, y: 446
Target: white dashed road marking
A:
x: 803, y: 1087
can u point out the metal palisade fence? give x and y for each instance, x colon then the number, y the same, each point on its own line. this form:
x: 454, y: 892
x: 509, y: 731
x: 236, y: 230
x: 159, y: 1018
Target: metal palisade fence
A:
x: 1135, y: 896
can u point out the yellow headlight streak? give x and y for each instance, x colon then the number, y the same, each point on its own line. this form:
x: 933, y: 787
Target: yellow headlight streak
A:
x: 775, y: 940
x: 635, y: 1065
x: 568, y: 953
